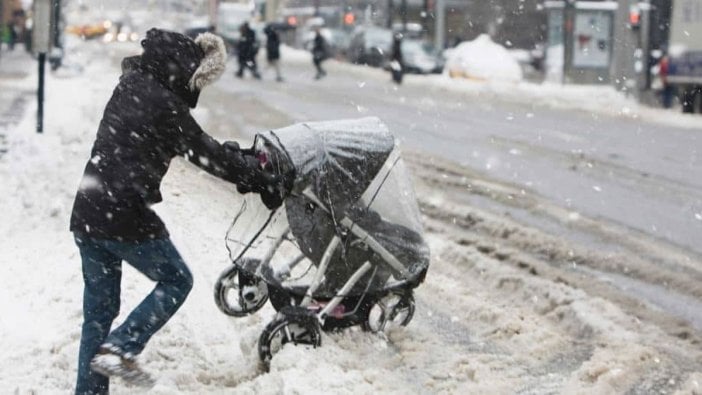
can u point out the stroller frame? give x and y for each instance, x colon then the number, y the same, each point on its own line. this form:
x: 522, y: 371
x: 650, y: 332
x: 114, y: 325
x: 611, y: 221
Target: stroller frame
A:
x: 363, y: 236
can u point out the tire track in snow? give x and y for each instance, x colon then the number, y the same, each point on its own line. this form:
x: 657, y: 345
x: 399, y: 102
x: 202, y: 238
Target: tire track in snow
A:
x: 485, y: 234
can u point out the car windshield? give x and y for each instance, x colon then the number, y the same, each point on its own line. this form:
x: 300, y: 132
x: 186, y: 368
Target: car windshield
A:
x: 378, y: 38
x: 415, y: 47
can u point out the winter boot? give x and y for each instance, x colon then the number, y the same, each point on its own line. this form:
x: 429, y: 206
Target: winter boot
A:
x: 111, y: 361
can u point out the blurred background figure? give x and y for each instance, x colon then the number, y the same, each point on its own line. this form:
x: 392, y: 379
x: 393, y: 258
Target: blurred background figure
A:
x: 16, y: 28
x: 273, y: 50
x: 667, y: 90
x: 396, y: 61
x: 247, y: 49
x: 319, y: 53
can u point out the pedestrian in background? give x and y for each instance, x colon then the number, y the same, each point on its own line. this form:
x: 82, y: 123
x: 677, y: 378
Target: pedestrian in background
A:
x: 397, y: 65
x: 16, y: 26
x: 247, y: 49
x: 667, y: 90
x: 320, y: 53
x: 273, y: 50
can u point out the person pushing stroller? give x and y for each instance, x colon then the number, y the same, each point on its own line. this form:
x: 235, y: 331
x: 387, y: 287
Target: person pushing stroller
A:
x: 146, y: 123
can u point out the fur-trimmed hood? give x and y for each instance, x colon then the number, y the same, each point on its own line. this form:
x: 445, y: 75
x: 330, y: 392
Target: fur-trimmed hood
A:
x: 183, y: 65
x: 212, y: 64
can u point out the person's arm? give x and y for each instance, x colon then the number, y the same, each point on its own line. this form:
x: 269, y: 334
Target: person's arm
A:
x: 226, y: 161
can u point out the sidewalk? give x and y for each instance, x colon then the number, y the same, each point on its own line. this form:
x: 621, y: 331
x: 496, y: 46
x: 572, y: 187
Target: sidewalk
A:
x: 15, y: 67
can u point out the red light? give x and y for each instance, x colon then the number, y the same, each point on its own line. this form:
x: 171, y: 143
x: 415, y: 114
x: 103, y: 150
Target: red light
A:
x: 292, y: 21
x: 349, y: 18
x: 634, y: 18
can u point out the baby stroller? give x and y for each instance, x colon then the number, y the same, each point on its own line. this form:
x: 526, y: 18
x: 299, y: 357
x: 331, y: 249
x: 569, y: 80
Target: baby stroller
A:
x: 345, y: 249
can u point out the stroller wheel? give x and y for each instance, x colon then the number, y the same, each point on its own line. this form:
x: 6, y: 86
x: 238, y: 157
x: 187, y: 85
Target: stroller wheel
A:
x: 238, y: 293
x: 292, y: 324
x: 391, y: 311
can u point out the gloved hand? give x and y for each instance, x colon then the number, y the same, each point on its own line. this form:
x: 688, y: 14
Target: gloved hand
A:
x: 252, y: 178
x: 243, y: 169
x: 272, y: 195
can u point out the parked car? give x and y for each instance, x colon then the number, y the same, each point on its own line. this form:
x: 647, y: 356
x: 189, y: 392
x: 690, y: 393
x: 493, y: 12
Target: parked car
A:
x: 420, y: 57
x: 197, y: 26
x: 230, y: 17
x: 370, y: 46
x: 337, y: 41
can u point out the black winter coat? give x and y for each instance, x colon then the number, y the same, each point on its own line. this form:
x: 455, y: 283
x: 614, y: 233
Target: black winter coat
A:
x: 247, y: 47
x: 146, y: 123
x: 320, y: 51
x: 272, y: 45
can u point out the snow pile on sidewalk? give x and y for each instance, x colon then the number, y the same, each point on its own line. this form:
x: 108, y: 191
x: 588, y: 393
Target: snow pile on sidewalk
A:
x: 483, y: 60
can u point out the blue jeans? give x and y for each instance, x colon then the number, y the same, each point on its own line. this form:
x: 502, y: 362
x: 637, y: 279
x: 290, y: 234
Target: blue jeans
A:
x: 102, y: 272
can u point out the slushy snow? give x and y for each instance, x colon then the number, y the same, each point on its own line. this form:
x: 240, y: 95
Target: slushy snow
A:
x: 489, y: 318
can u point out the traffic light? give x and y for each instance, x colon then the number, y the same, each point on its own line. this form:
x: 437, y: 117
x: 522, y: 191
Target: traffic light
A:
x: 635, y: 17
x: 349, y: 18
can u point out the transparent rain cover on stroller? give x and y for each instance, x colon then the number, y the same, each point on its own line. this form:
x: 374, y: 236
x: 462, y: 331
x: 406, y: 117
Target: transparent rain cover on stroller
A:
x: 352, y: 200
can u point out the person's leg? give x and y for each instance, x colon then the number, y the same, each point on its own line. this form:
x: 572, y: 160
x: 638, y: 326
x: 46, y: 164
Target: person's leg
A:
x: 242, y: 65
x: 321, y: 69
x: 102, y: 273
x: 161, y: 262
x: 276, y: 65
x: 254, y: 68
x: 667, y: 96
x: 318, y: 66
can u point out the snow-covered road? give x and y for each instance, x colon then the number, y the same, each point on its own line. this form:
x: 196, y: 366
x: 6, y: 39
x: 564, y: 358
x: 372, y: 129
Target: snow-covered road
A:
x: 521, y: 296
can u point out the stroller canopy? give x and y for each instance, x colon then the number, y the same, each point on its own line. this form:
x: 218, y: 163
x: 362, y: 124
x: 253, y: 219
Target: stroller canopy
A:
x: 337, y: 159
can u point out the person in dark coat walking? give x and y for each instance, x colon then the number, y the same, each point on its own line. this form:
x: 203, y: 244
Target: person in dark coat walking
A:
x: 397, y: 65
x: 319, y: 53
x: 145, y: 124
x: 273, y: 50
x: 247, y: 49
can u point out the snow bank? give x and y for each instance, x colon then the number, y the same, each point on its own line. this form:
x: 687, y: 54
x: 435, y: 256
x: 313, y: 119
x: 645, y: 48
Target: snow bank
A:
x: 554, y: 63
x: 482, y: 59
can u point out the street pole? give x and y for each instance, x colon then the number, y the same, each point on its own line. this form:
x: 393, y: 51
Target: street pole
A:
x: 271, y: 10
x: 425, y: 17
x: 212, y: 12
x: 41, y: 42
x: 568, y: 25
x: 391, y: 10
x: 56, y: 33
x: 404, y: 15
x: 40, y: 93
x: 440, y: 36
